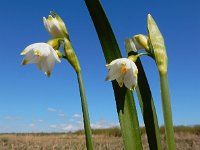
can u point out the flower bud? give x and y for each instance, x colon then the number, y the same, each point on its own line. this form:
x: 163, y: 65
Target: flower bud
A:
x: 157, y: 44
x: 55, y: 43
x: 136, y: 43
x: 55, y: 26
x: 70, y: 55
x: 130, y: 46
x: 142, y: 40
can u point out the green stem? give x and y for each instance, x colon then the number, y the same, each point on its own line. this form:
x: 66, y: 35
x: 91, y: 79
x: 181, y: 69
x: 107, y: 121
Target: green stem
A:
x: 88, y: 132
x: 147, y: 107
x: 169, y: 131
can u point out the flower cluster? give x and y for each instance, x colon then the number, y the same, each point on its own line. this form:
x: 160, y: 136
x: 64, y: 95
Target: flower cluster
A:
x: 43, y: 54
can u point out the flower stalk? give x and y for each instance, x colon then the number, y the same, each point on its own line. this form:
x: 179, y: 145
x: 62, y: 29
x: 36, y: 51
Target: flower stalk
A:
x: 157, y: 46
x: 86, y: 119
x: 73, y: 60
x: 57, y: 29
x: 166, y: 104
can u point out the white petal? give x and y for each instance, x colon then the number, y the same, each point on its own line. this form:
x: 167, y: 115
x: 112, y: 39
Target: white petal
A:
x: 113, y: 73
x: 120, y: 80
x: 46, y: 24
x: 130, y: 79
x: 114, y: 69
x: 28, y: 49
x: 134, y: 67
x: 54, y: 54
x: 130, y: 46
x: 42, y: 65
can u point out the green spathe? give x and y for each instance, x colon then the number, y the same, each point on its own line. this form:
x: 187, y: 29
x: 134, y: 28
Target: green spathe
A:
x: 157, y: 45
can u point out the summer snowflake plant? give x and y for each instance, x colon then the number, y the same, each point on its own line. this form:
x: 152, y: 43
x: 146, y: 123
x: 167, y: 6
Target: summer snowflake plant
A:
x: 124, y: 71
x: 43, y: 55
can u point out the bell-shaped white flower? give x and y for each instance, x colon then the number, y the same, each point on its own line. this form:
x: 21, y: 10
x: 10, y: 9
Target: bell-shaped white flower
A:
x: 43, y: 55
x: 55, y: 26
x: 124, y: 71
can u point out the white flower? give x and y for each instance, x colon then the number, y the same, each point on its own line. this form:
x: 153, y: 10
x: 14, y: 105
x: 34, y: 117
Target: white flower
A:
x: 42, y: 54
x: 55, y: 26
x: 124, y: 71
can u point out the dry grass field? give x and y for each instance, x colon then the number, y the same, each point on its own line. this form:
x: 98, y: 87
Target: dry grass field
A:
x: 103, y: 140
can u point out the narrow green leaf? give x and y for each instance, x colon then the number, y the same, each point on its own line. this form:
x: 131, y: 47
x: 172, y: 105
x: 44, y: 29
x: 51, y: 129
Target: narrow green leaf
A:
x: 147, y: 107
x: 124, y: 99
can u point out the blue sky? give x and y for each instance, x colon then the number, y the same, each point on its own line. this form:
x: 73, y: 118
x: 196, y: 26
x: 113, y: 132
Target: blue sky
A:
x: 31, y: 102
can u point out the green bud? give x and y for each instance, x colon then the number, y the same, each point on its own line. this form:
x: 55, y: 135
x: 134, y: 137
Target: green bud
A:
x: 157, y: 45
x: 59, y: 54
x: 133, y: 57
x: 55, y: 43
x: 70, y: 55
x: 142, y: 40
x: 61, y: 23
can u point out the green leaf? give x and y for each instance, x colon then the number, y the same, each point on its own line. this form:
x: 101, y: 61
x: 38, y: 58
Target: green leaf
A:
x: 124, y: 99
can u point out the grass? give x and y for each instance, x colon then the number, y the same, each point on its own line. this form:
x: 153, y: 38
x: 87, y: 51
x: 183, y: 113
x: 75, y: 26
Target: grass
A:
x: 187, y: 138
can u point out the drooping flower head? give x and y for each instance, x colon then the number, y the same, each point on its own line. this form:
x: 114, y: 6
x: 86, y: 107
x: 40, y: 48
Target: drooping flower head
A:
x: 124, y: 71
x: 42, y: 54
x: 55, y: 26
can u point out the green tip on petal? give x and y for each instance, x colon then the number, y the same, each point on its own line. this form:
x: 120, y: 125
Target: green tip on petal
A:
x: 50, y: 18
x: 120, y: 84
x: 132, y: 87
x: 107, y: 78
x: 48, y: 73
x: 58, y: 59
x: 24, y: 62
x: 53, y: 13
x: 23, y: 52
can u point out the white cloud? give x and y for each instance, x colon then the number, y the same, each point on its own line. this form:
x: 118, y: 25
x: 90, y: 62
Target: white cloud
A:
x: 103, y: 124
x: 62, y: 127
x: 61, y: 115
x: 40, y: 120
x: 11, y: 118
x: 77, y: 116
x: 53, y: 126
x: 79, y: 125
x: 51, y: 110
x: 69, y: 128
x: 31, y: 125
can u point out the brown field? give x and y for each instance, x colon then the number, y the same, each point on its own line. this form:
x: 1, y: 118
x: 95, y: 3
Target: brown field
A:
x: 185, y: 140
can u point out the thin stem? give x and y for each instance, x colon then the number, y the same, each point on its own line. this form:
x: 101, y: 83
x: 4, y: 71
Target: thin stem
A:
x: 88, y: 132
x: 142, y: 54
x: 169, y: 131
